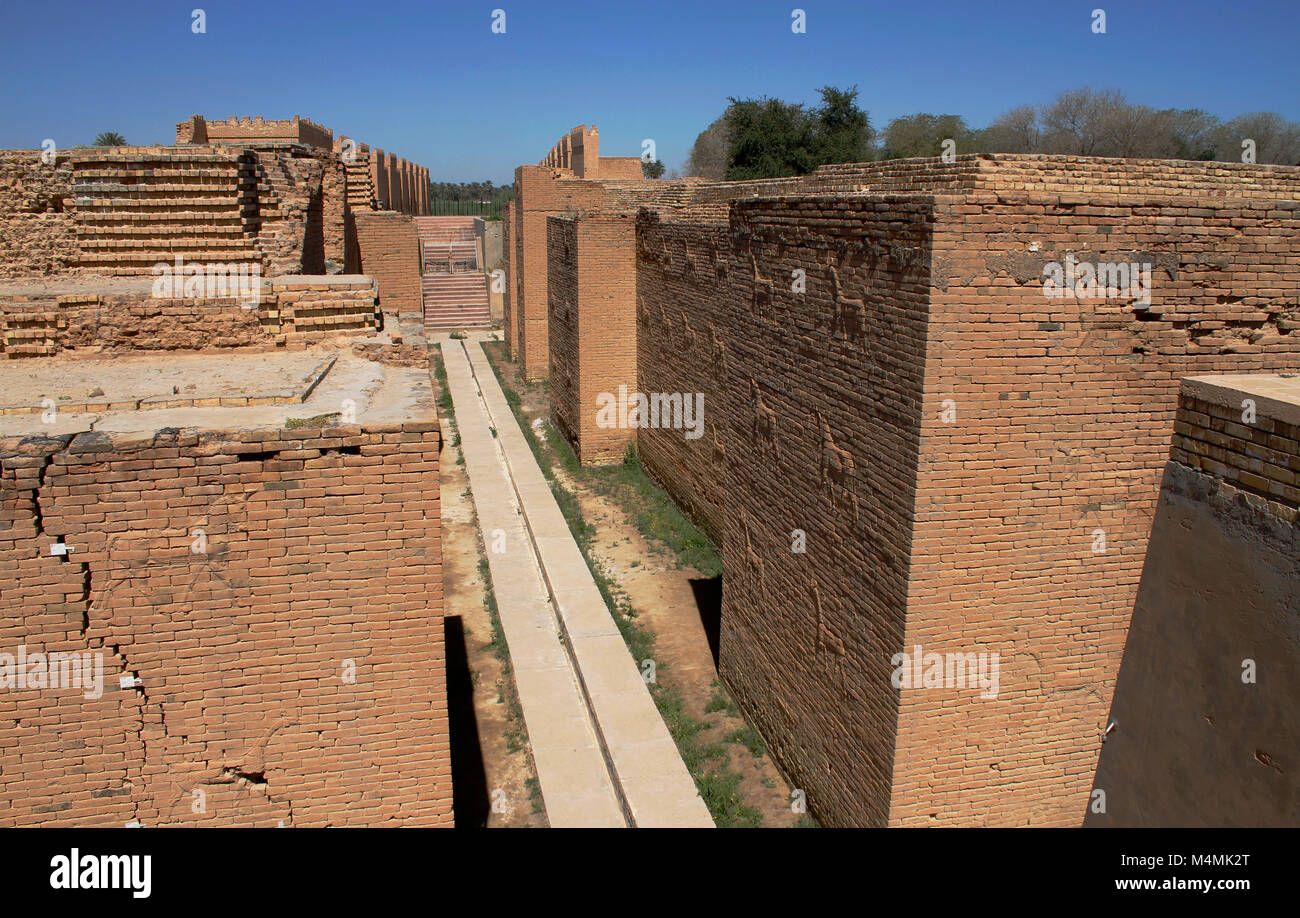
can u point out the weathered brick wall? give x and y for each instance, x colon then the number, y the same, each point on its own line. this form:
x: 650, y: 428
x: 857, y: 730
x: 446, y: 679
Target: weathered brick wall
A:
x: 821, y: 421
x: 682, y: 290
x: 289, y: 309
x: 37, y: 219
x: 515, y: 280
x: 592, y: 328
x: 1254, y: 447
x: 507, y: 256
x: 539, y: 196
x: 255, y: 130
x: 390, y: 253
x: 562, y: 318
x: 1209, y: 674
x: 302, y: 209
x: 607, y: 331
x: 321, y: 559
x: 620, y: 168
x: 1064, y: 410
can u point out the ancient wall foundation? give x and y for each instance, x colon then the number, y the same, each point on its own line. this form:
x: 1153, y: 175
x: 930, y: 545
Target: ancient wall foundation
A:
x: 288, y: 673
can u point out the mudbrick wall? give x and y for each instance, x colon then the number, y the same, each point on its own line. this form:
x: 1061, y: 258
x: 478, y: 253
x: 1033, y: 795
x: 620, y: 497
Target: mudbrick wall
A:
x: 37, y: 225
x: 681, y: 279
x: 122, y: 211
x: 982, y: 457
x: 267, y: 609
x: 591, y: 321
x: 562, y: 324
x: 821, y: 424
x: 1209, y: 673
x: 507, y: 256
x: 390, y: 253
x: 1047, y: 422
x: 289, y: 310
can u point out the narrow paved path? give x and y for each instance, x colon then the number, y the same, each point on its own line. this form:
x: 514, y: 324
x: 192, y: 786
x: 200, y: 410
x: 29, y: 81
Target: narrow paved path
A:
x: 553, y: 604
x: 574, y: 779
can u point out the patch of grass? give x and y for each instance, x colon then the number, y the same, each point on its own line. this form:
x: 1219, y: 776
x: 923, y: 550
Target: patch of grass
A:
x: 750, y: 738
x: 721, y: 792
x: 721, y: 701
x: 458, y: 336
x: 534, y: 794
x: 319, y: 420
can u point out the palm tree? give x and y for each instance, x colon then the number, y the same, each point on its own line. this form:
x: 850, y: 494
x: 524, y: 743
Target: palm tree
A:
x: 109, y: 139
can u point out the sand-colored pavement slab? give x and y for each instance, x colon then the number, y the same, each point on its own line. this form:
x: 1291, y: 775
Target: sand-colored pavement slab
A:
x: 572, y: 772
x: 651, y: 776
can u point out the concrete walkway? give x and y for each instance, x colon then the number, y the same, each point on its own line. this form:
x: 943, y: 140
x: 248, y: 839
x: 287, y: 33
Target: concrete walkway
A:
x: 604, y: 756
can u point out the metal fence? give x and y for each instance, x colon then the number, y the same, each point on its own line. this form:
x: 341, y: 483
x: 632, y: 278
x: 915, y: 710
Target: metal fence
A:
x: 439, y: 207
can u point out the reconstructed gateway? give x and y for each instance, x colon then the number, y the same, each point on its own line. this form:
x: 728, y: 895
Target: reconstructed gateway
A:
x: 914, y: 444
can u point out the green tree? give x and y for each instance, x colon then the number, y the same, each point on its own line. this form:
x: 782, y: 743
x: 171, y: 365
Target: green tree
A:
x: 109, y: 139
x: 770, y: 138
x: 923, y: 134
x: 652, y: 169
x: 842, y: 130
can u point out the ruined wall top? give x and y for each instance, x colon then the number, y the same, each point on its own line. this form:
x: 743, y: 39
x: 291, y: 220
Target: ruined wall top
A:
x: 297, y: 129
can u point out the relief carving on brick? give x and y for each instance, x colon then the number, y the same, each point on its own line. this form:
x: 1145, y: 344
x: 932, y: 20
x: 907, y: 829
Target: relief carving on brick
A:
x: 836, y: 470
x: 847, y: 313
x: 763, y: 421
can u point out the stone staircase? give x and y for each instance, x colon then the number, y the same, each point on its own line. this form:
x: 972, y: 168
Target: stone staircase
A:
x: 454, y: 286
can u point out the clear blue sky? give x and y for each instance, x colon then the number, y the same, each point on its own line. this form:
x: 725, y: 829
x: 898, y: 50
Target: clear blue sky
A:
x: 430, y: 82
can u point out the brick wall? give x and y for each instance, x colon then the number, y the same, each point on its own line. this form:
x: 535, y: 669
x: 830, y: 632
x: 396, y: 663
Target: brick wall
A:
x: 682, y: 294
x: 592, y: 327
x: 254, y: 130
x: 1038, y: 423
x: 321, y: 559
x: 820, y: 425
x: 1064, y: 414
x: 390, y: 253
x: 507, y: 256
x: 37, y: 219
x: 562, y: 318
x: 538, y: 197
x: 289, y: 310
x: 1242, y: 437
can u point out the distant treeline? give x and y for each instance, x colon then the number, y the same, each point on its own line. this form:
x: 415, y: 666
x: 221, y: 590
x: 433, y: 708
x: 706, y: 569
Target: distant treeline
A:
x: 768, y: 138
x: 471, y: 192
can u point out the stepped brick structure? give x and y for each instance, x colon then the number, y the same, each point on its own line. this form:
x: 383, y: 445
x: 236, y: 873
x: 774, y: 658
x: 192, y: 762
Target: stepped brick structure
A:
x: 964, y: 463
x: 376, y: 180
x: 292, y: 309
x: 453, y: 284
